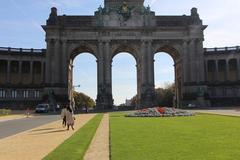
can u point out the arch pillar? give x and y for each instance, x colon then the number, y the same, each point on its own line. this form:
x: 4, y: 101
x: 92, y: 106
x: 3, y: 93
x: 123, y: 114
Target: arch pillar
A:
x: 196, y: 85
x: 104, y: 95
x: 147, y: 91
x: 56, y: 91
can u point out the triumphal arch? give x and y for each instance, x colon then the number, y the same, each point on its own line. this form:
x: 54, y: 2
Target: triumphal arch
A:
x: 203, y: 76
x: 125, y: 26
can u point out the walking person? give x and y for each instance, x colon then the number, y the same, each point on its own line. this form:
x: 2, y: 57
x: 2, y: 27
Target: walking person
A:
x: 69, y: 118
x: 27, y: 112
x: 63, y: 116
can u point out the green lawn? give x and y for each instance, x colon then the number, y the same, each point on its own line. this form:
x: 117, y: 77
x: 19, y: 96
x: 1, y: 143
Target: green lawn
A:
x: 75, y: 147
x: 203, y: 137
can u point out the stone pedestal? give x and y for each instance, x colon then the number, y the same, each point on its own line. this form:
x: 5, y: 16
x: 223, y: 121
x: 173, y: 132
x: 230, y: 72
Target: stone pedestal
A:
x: 202, y: 102
x: 148, y: 99
x: 56, y: 94
x: 104, y: 101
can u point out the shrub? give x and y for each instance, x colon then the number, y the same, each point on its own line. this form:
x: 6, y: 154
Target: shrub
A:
x: 5, y: 111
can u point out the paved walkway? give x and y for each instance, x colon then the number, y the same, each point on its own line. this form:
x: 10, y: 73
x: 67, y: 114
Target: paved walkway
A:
x: 36, y: 143
x: 11, y: 117
x: 99, y: 147
x: 221, y: 111
x: 14, y: 126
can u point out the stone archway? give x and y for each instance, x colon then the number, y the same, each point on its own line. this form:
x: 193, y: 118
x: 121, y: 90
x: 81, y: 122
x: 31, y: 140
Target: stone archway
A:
x: 130, y: 47
x: 124, y: 78
x: 80, y: 78
x: 78, y: 50
x: 176, y: 57
x: 141, y: 33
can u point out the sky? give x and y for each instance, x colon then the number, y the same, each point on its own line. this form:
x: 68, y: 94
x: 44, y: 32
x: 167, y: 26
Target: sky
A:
x: 21, y: 20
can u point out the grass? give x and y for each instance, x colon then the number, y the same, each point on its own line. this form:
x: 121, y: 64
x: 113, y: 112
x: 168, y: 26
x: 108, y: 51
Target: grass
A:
x: 203, y: 137
x: 75, y: 147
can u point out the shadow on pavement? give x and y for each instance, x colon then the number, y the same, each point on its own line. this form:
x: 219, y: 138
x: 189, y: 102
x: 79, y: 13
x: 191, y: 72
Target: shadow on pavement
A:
x: 42, y: 129
x: 56, y: 131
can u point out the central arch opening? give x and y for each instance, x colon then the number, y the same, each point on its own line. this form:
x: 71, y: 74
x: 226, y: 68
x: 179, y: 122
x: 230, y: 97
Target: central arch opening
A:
x: 124, y: 78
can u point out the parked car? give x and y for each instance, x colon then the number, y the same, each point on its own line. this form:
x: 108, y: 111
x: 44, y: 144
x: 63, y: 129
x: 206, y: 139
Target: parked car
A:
x: 191, y: 105
x: 42, y: 108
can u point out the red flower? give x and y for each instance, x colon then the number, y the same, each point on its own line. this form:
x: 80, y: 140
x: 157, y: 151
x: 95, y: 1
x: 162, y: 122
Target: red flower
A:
x: 161, y: 110
x: 144, y: 110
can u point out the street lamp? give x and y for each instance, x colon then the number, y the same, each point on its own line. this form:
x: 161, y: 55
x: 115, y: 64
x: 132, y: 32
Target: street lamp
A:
x: 72, y: 97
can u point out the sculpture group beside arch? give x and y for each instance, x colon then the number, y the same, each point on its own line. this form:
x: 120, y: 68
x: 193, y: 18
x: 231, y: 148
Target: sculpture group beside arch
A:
x: 128, y: 26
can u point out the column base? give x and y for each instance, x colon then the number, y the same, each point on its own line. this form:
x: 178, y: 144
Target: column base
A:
x: 195, y: 96
x: 55, y: 95
x: 104, y: 102
x: 148, y: 99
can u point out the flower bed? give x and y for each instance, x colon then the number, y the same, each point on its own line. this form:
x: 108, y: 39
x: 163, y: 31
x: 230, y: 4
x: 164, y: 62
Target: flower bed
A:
x: 160, y: 112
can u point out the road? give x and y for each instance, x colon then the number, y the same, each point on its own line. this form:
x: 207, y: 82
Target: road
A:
x: 12, y: 127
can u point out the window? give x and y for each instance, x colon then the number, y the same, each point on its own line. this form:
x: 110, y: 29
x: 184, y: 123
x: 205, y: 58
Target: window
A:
x: 233, y: 65
x: 211, y: 66
x: 2, y: 93
x: 36, y: 94
x: 25, y: 94
x: 3, y: 66
x: 25, y: 67
x: 14, y: 94
x: 37, y: 67
x: 14, y: 67
x: 221, y: 65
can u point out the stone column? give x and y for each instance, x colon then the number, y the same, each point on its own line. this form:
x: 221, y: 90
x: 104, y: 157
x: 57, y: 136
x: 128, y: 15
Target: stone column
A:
x: 185, y: 61
x: 150, y: 56
x: 42, y: 72
x: 147, y: 76
x: 216, y: 74
x: 108, y: 65
x: 48, y: 68
x: 200, y: 60
x: 104, y: 97
x: 31, y: 72
x: 177, y: 100
x: 227, y: 70
x: 108, y: 72
x: 65, y: 63
x: 238, y: 69
x: 8, y: 72
x: 56, y: 63
x: 138, y: 84
x: 143, y: 61
x: 20, y: 71
x: 206, y: 69
x: 100, y: 64
x: 192, y: 60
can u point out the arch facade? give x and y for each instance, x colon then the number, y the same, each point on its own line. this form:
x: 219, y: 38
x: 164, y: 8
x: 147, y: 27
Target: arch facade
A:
x: 141, y: 34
